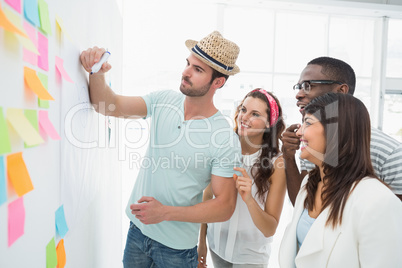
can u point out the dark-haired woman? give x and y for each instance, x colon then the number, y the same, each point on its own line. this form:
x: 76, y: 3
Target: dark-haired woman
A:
x: 344, y: 216
x: 244, y: 240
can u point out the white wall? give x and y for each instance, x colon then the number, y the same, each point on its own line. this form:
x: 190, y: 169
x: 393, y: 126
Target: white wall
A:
x: 88, y: 188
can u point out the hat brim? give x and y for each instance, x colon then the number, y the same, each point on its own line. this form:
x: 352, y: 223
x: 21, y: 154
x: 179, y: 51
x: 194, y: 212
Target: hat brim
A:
x: 191, y: 43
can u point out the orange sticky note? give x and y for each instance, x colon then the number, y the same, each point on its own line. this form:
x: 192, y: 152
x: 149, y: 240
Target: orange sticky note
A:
x: 18, y: 174
x: 35, y: 84
x: 8, y: 26
x: 61, y: 254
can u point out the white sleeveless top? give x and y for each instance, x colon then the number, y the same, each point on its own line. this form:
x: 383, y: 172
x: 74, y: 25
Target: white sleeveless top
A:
x: 238, y: 240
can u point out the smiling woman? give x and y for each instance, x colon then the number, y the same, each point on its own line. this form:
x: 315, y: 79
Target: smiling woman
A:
x: 341, y: 202
x: 313, y: 140
x: 245, y: 239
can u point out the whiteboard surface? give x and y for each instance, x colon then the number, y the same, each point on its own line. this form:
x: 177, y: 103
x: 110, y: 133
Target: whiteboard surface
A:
x: 84, y: 177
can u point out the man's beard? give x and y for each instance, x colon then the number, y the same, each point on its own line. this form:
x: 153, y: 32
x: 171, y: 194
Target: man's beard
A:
x: 194, y: 92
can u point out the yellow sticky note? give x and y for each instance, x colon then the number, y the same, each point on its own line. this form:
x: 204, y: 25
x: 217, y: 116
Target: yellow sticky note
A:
x: 32, y: 117
x: 18, y: 174
x: 16, y: 21
x: 35, y: 84
x: 60, y: 22
x: 23, y: 127
x: 8, y: 26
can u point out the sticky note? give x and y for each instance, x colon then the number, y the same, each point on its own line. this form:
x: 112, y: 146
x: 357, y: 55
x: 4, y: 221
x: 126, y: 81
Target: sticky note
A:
x: 51, y: 254
x: 24, y: 129
x: 43, y: 52
x: 3, y: 186
x: 44, y: 17
x: 30, y: 56
x: 60, y: 23
x: 8, y: 26
x: 60, y: 68
x: 5, y: 146
x: 61, y: 224
x: 35, y: 84
x: 16, y: 4
x: 18, y: 174
x: 16, y: 220
x: 61, y: 254
x: 47, y: 126
x: 17, y: 22
x: 44, y: 80
x: 32, y: 117
x: 31, y: 12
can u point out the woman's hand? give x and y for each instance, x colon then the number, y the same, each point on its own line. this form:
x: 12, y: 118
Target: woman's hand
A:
x: 243, y: 185
x: 202, y: 254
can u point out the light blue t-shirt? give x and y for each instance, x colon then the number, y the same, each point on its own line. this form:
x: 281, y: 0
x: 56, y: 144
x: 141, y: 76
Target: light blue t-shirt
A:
x: 178, y: 164
x: 303, y: 226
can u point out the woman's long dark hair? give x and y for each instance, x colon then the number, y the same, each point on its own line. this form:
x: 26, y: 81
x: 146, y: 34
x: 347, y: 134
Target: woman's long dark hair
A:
x: 263, y: 168
x: 347, y: 159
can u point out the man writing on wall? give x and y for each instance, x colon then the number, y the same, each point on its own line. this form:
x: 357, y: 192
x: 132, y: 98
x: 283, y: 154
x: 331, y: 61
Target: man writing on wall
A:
x: 166, y: 205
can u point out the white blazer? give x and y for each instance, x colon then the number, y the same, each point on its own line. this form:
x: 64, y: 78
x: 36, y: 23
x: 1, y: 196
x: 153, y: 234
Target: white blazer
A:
x: 370, y: 234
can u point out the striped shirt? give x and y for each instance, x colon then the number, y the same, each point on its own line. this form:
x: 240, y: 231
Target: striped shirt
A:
x: 386, y: 156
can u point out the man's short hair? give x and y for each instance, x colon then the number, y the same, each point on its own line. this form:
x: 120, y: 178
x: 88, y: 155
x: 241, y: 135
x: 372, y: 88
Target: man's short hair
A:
x: 337, y: 70
x: 217, y: 74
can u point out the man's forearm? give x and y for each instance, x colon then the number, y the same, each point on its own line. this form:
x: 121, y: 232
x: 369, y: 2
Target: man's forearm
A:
x: 293, y: 178
x: 213, y: 210
x: 100, y: 94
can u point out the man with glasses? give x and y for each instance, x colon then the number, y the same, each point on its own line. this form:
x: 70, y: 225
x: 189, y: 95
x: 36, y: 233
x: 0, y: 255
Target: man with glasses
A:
x: 320, y: 76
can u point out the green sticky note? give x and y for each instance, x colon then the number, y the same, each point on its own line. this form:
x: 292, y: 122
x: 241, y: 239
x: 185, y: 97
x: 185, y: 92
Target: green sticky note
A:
x: 44, y: 17
x: 44, y: 79
x: 32, y: 116
x: 51, y: 254
x: 43, y: 103
x: 5, y: 146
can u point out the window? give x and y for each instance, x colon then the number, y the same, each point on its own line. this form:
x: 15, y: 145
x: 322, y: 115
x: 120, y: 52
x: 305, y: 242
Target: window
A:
x: 394, y: 55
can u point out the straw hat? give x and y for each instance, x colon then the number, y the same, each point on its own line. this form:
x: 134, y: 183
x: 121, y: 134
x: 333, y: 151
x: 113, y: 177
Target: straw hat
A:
x: 217, y: 52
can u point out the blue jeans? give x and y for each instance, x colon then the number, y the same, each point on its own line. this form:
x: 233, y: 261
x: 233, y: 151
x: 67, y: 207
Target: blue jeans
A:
x: 143, y: 252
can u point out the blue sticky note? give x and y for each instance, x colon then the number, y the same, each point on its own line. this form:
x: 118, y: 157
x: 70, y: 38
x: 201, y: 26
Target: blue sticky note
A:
x: 61, y: 224
x: 3, y: 186
x: 31, y: 12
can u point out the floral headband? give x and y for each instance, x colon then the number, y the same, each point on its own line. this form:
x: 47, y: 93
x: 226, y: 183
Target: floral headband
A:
x: 272, y: 104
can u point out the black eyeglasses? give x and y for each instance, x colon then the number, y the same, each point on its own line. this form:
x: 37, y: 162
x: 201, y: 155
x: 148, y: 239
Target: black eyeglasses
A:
x: 306, y: 85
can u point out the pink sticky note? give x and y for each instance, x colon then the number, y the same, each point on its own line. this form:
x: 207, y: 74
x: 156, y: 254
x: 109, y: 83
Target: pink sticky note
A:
x: 16, y: 4
x: 60, y: 67
x: 29, y: 56
x: 43, y: 52
x: 47, y: 126
x: 16, y: 220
